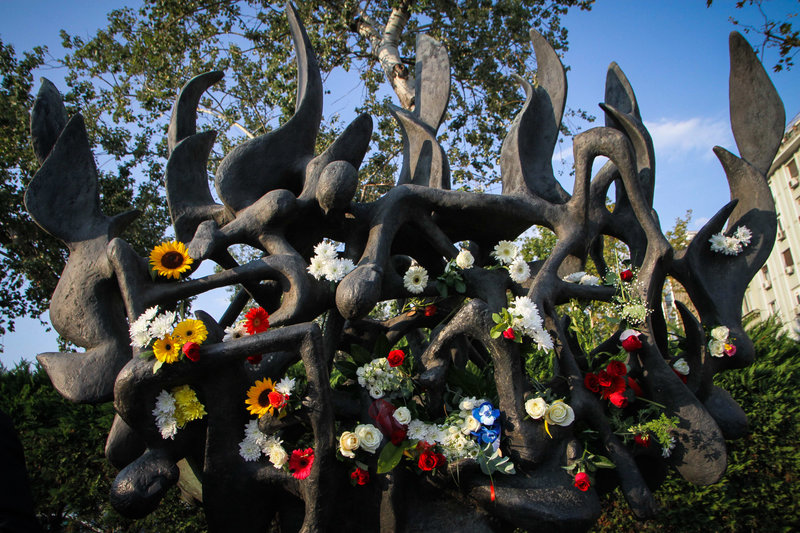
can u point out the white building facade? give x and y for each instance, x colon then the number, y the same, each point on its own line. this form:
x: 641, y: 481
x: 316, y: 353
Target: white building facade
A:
x: 776, y: 289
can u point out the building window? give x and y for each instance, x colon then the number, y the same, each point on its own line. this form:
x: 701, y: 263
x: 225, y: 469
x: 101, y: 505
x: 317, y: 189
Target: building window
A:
x: 767, y: 281
x: 792, y: 169
x: 787, y: 258
x: 773, y: 308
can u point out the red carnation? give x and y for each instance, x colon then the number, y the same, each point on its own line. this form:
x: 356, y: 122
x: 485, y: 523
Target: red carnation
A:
x: 430, y: 310
x: 626, y: 275
x: 360, y: 476
x: 396, y: 358
x: 642, y: 440
x: 509, y: 334
x: 591, y: 382
x: 276, y: 399
x: 632, y: 343
x: 300, y: 463
x: 582, y: 481
x: 616, y: 368
x: 254, y: 359
x: 618, y: 399
x: 192, y: 351
x: 256, y: 320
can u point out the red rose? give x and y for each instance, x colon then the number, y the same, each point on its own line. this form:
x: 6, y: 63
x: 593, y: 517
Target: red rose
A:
x: 582, y: 481
x: 604, y: 379
x: 254, y: 359
x: 396, y: 358
x: 427, y: 460
x: 642, y: 440
x: 300, y: 463
x: 276, y: 399
x: 618, y: 399
x: 616, y: 368
x: 634, y: 385
x: 591, y: 382
x: 256, y: 320
x: 360, y: 476
x: 632, y: 343
x: 441, y: 460
x: 626, y: 275
x: 509, y: 334
x: 192, y: 351
x: 430, y: 310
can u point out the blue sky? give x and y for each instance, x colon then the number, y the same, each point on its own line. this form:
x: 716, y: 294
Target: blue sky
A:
x: 674, y: 53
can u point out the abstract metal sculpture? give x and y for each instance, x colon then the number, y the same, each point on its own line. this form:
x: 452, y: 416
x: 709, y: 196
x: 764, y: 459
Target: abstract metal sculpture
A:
x: 282, y: 199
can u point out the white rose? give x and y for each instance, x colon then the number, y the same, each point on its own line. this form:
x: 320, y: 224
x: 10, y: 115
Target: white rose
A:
x: 559, y: 414
x: 471, y: 424
x: 464, y: 259
x: 536, y: 408
x: 348, y: 443
x: 716, y: 347
x: 277, y: 456
x: 720, y: 333
x: 402, y: 415
x: 681, y: 367
x: 369, y: 437
x: 376, y: 392
x: 468, y: 404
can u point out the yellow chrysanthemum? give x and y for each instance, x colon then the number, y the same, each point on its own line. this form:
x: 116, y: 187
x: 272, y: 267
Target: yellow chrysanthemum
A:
x: 166, y: 349
x: 258, y: 398
x: 170, y: 259
x: 190, y: 330
x: 187, y: 406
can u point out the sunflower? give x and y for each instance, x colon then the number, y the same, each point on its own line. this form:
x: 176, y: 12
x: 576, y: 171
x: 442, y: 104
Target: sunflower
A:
x: 190, y: 330
x: 261, y: 400
x: 170, y: 259
x: 166, y: 349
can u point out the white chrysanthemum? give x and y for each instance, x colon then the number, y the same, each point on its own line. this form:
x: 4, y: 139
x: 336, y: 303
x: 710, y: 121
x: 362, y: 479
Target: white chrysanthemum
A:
x: 325, y: 249
x: 250, y: 450
x: 252, y: 432
x: 337, y: 269
x: 285, y: 386
x: 318, y: 266
x: 505, y: 252
x: 589, y: 280
x: 464, y: 259
x: 237, y: 331
x: 519, y: 270
x: 575, y: 277
x: 165, y: 404
x: 168, y: 428
x: 161, y: 326
x: 149, y: 314
x: 743, y: 234
x: 417, y: 430
x: 140, y: 339
x: 416, y: 279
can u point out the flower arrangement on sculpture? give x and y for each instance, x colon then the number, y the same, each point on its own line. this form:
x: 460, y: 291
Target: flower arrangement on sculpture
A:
x: 167, y: 343
x: 732, y: 245
x: 327, y: 264
x: 175, y: 409
x: 720, y: 344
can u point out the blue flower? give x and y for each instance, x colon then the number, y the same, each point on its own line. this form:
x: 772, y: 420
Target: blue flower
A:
x: 486, y: 414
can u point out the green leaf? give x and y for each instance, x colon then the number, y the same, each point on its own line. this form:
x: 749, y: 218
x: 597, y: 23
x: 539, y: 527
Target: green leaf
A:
x: 602, y: 462
x: 390, y: 457
x: 347, y: 368
x: 360, y: 355
x: 157, y: 365
x: 460, y: 286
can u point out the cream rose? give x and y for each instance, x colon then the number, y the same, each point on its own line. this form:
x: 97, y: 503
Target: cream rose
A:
x: 464, y: 259
x: 559, y: 413
x: 277, y: 455
x: 536, y: 408
x: 402, y: 415
x: 716, y: 347
x: 681, y: 366
x: 369, y: 437
x: 720, y: 333
x: 470, y: 424
x: 348, y: 443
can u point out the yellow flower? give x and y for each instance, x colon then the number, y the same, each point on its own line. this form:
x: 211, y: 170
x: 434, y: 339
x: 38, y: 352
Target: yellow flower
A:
x: 187, y: 406
x: 170, y: 259
x: 166, y: 350
x: 190, y: 330
x: 262, y: 399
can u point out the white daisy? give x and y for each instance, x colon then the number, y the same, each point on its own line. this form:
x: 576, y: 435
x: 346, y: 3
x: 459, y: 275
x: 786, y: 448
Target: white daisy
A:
x: 416, y: 279
x: 519, y: 270
x: 505, y: 252
x: 161, y: 326
x: 236, y: 331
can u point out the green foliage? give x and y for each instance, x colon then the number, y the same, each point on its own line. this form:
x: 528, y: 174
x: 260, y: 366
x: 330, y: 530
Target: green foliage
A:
x: 759, y: 490
x: 69, y: 476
